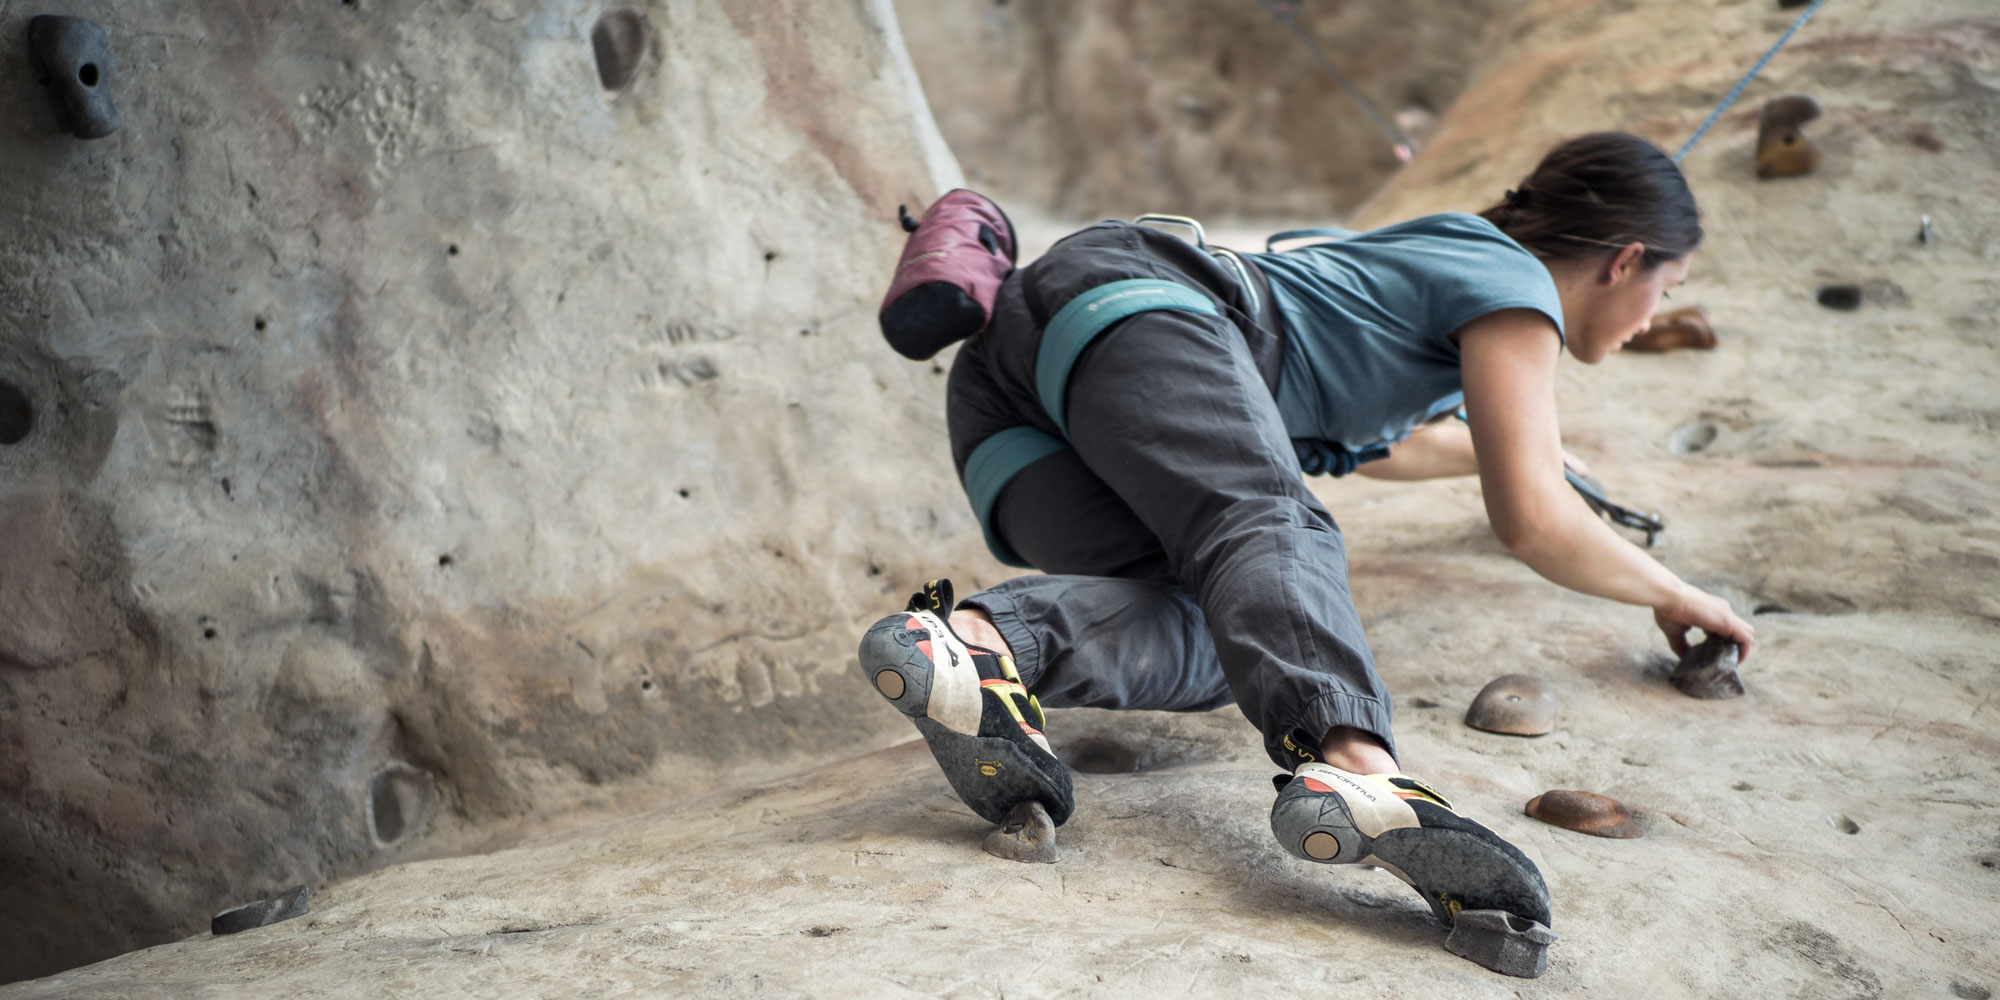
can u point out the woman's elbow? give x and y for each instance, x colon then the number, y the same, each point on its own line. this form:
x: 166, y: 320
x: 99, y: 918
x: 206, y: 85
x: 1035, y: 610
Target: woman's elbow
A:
x: 1523, y: 536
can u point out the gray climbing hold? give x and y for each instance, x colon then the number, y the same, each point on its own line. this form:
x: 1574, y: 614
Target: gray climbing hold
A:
x: 74, y: 57
x: 264, y: 912
x: 1515, y: 704
x: 1028, y: 835
x: 1709, y: 670
x: 1501, y: 941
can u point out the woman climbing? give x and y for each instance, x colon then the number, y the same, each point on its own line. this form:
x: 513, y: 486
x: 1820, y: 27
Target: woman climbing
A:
x: 1187, y: 565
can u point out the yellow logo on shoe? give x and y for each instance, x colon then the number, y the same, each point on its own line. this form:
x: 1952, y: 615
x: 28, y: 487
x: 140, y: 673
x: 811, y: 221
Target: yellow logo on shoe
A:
x: 989, y: 768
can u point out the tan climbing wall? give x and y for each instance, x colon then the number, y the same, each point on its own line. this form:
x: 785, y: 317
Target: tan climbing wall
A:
x: 424, y: 428
x: 1093, y: 108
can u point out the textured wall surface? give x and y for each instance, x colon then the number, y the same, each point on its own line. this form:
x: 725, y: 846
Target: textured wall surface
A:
x: 1093, y: 108
x: 430, y: 414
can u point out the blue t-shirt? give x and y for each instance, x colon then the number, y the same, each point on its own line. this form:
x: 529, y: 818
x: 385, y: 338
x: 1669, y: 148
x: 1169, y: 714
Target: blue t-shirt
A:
x: 1368, y: 353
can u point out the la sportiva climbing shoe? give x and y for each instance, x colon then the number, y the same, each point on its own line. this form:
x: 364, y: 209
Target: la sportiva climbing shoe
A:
x: 1400, y: 824
x: 981, y: 723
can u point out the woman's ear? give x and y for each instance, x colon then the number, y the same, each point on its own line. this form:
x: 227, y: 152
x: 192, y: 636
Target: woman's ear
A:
x: 1625, y: 262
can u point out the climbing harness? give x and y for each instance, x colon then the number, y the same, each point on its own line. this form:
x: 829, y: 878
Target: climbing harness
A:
x: 1283, y: 10
x: 1737, y: 90
x: 999, y: 458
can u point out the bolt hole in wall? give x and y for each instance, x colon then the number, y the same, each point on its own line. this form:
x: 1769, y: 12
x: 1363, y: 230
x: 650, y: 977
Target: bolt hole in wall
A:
x: 17, y: 413
x: 619, y: 43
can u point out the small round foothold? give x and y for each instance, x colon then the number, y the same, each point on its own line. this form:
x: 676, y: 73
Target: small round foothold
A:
x: 1670, y: 331
x: 1322, y: 846
x: 890, y: 683
x: 1026, y: 835
x: 1585, y: 812
x: 1514, y: 704
x: 1782, y: 149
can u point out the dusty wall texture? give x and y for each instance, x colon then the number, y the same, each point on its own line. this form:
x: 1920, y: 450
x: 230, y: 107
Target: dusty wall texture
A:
x: 1092, y: 108
x: 421, y: 434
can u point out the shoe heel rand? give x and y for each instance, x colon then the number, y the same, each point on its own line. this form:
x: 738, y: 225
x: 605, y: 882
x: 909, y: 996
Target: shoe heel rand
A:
x: 1299, y: 815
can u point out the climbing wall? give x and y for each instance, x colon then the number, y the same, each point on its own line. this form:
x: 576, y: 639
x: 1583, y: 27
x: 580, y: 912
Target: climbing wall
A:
x: 1095, y: 108
x: 421, y: 419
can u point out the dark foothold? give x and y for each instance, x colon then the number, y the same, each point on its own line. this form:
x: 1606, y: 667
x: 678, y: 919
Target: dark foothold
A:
x: 74, y: 58
x: 1515, y: 704
x: 1672, y: 331
x: 1783, y: 150
x: 17, y: 414
x: 1709, y: 670
x: 1028, y: 835
x: 1501, y: 941
x: 619, y: 44
x: 1585, y: 812
x: 1846, y: 298
x: 264, y: 912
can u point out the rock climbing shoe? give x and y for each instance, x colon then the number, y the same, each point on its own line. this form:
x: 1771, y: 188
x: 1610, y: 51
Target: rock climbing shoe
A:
x: 981, y: 723
x: 1399, y: 824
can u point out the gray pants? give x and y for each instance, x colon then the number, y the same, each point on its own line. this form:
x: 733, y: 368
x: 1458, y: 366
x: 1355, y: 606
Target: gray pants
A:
x: 1188, y: 565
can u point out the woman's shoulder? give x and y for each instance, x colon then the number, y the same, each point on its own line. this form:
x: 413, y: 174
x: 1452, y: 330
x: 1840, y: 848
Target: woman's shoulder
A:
x: 1456, y: 226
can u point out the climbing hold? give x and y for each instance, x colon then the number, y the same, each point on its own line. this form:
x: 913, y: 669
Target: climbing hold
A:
x: 1709, y: 670
x: 1846, y: 298
x: 262, y: 913
x: 1027, y: 835
x: 1508, y: 944
x: 619, y: 44
x: 1585, y: 812
x: 1671, y: 331
x: 1783, y: 150
x: 74, y: 58
x: 1515, y: 704
x: 17, y: 414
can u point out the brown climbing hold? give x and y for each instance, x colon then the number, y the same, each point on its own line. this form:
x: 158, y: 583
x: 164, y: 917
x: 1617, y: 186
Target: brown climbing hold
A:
x: 1672, y: 331
x: 1585, y: 812
x: 1783, y: 150
x: 1028, y: 835
x: 1515, y: 704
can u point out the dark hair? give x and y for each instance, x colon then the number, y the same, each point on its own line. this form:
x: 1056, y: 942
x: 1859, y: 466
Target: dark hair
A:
x: 1598, y: 192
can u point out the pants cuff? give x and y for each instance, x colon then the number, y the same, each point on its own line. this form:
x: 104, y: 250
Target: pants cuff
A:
x: 1027, y: 652
x: 1321, y: 715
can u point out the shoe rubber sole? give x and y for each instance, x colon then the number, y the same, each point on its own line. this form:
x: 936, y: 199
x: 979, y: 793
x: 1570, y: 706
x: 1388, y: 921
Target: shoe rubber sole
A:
x: 1453, y: 869
x: 928, y: 675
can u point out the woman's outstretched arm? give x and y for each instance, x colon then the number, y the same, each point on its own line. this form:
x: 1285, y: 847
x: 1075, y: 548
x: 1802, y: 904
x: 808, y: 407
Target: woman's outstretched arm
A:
x: 1508, y: 360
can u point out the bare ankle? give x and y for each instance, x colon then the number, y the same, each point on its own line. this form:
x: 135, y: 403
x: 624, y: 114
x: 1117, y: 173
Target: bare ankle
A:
x: 1356, y: 750
x: 974, y: 627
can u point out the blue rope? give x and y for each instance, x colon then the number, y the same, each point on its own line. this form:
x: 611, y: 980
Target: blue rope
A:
x: 1737, y: 91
